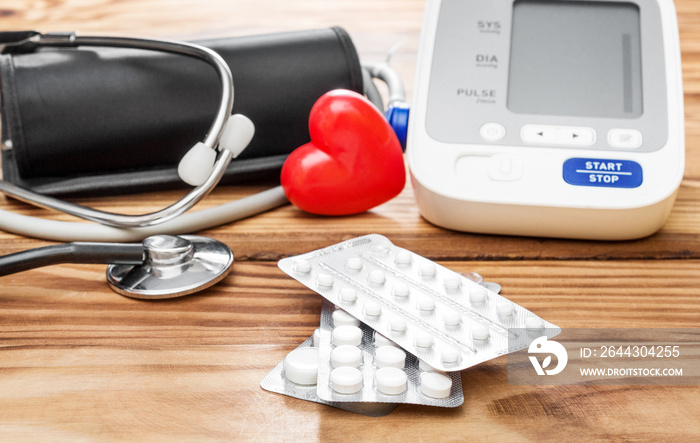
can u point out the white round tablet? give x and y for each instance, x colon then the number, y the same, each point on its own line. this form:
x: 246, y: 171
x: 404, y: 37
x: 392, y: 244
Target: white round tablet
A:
x: 424, y: 340
x: 354, y: 263
x: 301, y: 366
x: 473, y: 276
x: 346, y: 380
x: 477, y: 294
x: 389, y: 357
x: 452, y: 318
x: 347, y: 335
x: 390, y: 381
x: 346, y: 355
x: 380, y: 250
x: 480, y: 332
x: 401, y: 289
x: 302, y: 266
x: 373, y: 309
x: 493, y: 287
x: 398, y: 325
x: 505, y: 309
x: 377, y: 277
x: 450, y: 356
x: 324, y: 280
x: 341, y: 318
x: 348, y: 295
x: 403, y: 258
x: 534, y: 324
x: 427, y: 269
x: 435, y: 385
x: 453, y: 282
x: 425, y: 367
x: 380, y: 340
x: 426, y: 304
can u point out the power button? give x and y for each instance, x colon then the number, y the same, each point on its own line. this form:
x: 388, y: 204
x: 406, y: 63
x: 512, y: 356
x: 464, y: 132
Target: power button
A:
x: 492, y: 132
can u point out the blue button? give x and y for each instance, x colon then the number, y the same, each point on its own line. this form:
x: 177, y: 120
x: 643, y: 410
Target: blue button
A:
x: 603, y: 173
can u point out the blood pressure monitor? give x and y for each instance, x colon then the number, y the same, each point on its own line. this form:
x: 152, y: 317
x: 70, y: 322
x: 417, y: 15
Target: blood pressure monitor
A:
x: 557, y: 118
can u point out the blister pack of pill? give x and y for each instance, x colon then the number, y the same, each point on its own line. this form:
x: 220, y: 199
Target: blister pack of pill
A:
x: 357, y: 364
x: 434, y: 313
x: 296, y: 377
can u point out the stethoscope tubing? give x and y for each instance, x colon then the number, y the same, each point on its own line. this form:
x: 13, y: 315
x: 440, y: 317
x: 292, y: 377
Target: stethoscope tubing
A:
x: 186, y: 223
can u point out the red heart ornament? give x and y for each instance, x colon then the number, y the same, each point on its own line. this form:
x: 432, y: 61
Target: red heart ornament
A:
x: 353, y: 163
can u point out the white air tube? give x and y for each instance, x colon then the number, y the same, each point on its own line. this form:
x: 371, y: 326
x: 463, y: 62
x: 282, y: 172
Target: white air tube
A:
x: 186, y: 223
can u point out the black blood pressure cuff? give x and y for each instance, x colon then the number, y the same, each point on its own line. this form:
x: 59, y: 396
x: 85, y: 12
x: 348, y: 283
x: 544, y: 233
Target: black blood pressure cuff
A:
x: 93, y: 121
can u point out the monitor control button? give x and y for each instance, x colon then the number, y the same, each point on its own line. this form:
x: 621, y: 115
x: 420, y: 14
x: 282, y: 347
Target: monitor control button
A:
x: 625, y: 138
x: 504, y: 167
x: 492, y: 132
x: 571, y: 136
x: 549, y: 135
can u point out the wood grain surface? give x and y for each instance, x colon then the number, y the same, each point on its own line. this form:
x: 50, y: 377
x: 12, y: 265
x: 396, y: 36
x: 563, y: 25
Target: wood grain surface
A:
x: 81, y: 363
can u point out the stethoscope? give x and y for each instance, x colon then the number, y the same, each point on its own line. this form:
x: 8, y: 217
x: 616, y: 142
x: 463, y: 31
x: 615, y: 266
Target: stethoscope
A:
x: 162, y: 266
x: 202, y: 167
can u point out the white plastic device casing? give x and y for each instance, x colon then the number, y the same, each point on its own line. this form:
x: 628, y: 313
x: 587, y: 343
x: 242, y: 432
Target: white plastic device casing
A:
x: 541, y: 203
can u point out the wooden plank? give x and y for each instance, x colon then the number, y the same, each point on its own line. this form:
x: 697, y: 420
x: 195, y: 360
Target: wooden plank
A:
x: 84, y: 363
x: 288, y: 231
x: 259, y: 304
x: 196, y: 393
x: 398, y: 219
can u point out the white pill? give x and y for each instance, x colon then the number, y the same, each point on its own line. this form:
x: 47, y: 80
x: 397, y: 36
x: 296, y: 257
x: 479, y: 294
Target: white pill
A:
x: 301, y: 366
x: 505, y: 309
x: 354, y: 263
x: 435, y: 385
x: 373, y: 309
x: 380, y: 250
x: 450, y: 356
x: 453, y: 282
x: 347, y: 335
x: 398, y: 325
x: 377, y: 277
x: 346, y: 380
x: 302, y: 266
x: 403, y: 258
x: 423, y: 366
x: 426, y: 304
x: 493, y: 287
x: 452, y: 318
x: 380, y: 340
x: 477, y: 294
x: 401, y: 289
x: 424, y: 340
x: 324, y: 280
x: 473, y: 276
x: 348, y: 295
x: 427, y: 269
x: 316, y: 340
x: 480, y: 332
x: 389, y: 357
x: 390, y: 381
x: 341, y: 318
x: 346, y: 355
x: 534, y: 324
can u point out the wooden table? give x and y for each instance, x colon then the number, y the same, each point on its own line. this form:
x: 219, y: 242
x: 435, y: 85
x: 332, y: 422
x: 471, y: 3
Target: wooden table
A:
x: 80, y: 363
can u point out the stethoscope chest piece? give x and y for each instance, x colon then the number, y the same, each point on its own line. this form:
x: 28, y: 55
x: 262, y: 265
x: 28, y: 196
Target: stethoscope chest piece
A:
x: 173, y: 266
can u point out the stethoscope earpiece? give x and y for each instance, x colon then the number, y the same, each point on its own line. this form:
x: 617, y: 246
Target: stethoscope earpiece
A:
x: 197, y: 164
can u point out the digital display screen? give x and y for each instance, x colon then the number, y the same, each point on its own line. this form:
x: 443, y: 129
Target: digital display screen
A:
x: 575, y: 58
